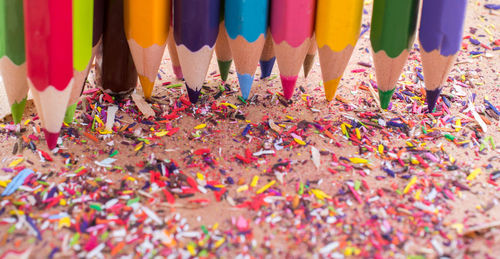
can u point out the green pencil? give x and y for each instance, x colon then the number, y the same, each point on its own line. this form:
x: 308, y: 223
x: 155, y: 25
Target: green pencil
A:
x: 392, y: 34
x: 12, y: 56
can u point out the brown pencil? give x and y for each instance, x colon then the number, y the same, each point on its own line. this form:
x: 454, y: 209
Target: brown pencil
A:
x: 119, y: 76
x: 311, y: 54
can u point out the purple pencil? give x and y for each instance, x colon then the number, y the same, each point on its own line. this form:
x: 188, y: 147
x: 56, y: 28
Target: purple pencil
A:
x: 196, y: 26
x: 441, y: 29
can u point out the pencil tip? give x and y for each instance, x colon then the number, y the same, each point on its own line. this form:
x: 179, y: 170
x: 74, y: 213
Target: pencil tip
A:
x: 246, y: 81
x: 288, y: 83
x: 224, y: 68
x: 385, y: 97
x: 193, y: 94
x: 178, y: 72
x: 17, y: 110
x: 51, y: 138
x: 266, y: 67
x: 70, y: 113
x: 147, y: 86
x: 432, y: 98
x: 331, y: 88
x: 308, y: 63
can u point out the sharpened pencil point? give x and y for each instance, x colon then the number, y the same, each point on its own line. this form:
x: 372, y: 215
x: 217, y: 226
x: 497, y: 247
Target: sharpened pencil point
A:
x: 70, y: 113
x: 385, y: 97
x: 331, y: 88
x: 224, y: 68
x: 432, y: 98
x: 308, y: 63
x: 193, y: 94
x: 17, y: 110
x: 51, y: 138
x: 147, y: 86
x: 288, y: 83
x: 266, y: 67
x: 178, y: 72
x: 246, y: 82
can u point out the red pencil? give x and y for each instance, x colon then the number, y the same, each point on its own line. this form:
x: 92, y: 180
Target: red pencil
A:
x: 49, y: 56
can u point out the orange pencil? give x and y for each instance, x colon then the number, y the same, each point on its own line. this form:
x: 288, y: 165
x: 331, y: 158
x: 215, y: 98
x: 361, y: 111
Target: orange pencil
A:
x: 146, y: 26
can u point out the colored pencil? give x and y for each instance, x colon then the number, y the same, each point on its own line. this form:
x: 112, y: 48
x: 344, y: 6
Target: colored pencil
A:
x: 12, y: 56
x: 440, y: 35
x: 267, y: 58
x: 49, y: 56
x: 98, y: 25
x: 97, y: 29
x: 246, y: 24
x: 83, y: 12
x: 337, y: 30
x: 392, y: 34
x: 174, y: 57
x: 222, y: 49
x: 196, y: 26
x: 147, y: 23
x: 119, y: 76
x: 292, y: 27
x: 311, y: 54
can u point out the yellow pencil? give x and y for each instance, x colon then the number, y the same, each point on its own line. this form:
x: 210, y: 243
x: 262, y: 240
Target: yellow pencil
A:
x: 337, y: 30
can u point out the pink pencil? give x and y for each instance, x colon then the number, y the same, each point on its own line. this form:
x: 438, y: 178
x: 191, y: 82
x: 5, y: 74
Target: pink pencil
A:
x: 292, y: 27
